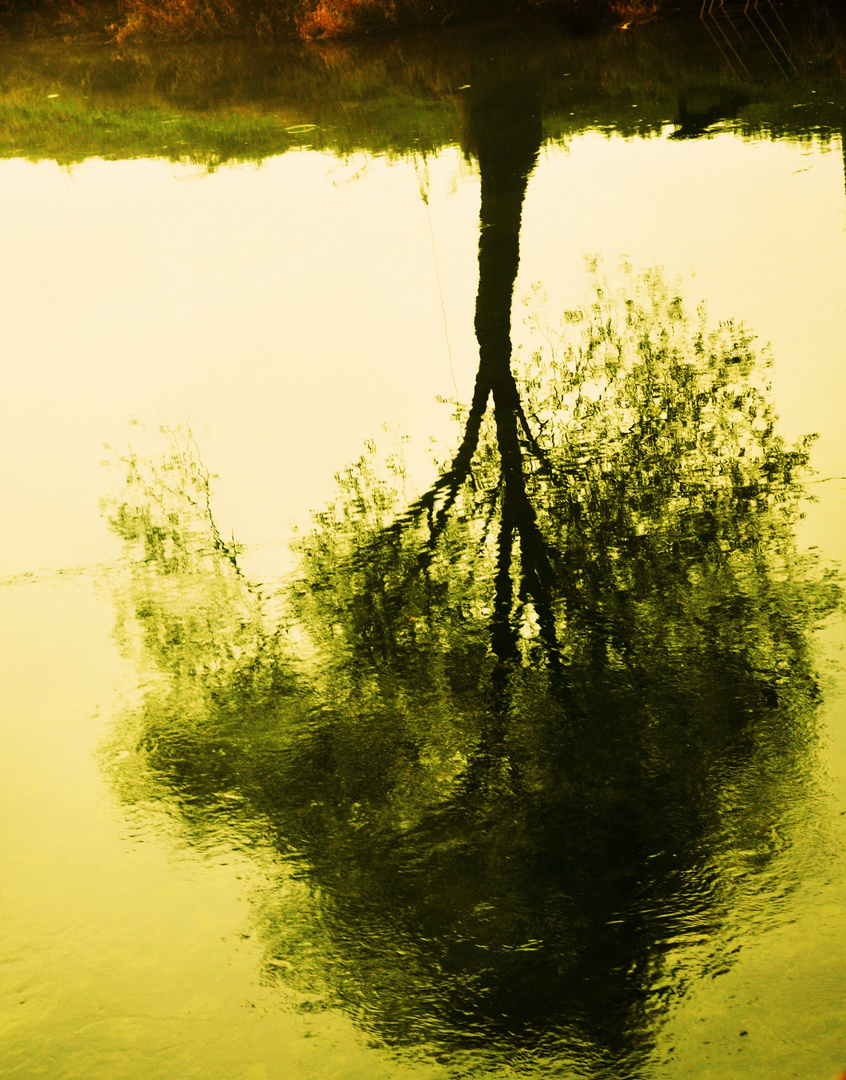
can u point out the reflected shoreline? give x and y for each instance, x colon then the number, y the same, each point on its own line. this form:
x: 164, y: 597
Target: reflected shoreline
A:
x: 218, y: 103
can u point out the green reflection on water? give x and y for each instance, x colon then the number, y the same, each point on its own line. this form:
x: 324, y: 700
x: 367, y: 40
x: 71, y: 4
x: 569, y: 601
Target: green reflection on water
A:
x: 538, y: 743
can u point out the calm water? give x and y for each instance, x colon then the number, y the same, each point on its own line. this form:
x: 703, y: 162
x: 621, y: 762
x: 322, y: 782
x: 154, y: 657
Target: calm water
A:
x: 526, y: 755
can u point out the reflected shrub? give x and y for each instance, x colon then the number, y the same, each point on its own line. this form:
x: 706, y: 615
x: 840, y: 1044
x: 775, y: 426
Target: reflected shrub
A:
x: 540, y: 840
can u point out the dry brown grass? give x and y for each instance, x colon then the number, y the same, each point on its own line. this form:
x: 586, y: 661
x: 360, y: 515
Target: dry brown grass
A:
x: 341, y: 18
x: 182, y: 19
x: 637, y: 11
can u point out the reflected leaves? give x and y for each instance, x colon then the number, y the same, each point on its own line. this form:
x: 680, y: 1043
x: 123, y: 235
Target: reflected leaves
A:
x: 534, y: 774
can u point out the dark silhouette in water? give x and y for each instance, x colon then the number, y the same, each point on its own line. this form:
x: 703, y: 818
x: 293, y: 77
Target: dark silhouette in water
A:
x: 693, y: 124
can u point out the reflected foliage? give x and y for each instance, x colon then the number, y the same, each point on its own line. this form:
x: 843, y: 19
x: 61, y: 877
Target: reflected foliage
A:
x: 538, y: 741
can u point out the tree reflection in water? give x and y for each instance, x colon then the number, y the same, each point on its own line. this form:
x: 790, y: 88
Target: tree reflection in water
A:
x: 537, y: 740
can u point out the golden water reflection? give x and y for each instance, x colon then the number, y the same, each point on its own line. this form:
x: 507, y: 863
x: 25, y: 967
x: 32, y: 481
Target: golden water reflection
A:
x: 163, y: 348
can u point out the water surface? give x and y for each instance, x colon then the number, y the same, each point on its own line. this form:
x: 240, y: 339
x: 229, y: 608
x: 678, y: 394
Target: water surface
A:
x: 546, y: 779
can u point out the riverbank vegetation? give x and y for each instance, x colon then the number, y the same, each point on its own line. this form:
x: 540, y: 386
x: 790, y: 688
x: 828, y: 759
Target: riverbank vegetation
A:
x: 238, y: 100
x: 123, y: 20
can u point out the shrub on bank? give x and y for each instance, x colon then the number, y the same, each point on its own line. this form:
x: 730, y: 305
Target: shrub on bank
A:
x: 123, y: 20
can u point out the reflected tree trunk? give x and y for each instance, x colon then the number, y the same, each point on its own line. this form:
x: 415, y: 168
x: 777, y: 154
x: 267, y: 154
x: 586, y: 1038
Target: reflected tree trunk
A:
x: 503, y: 130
